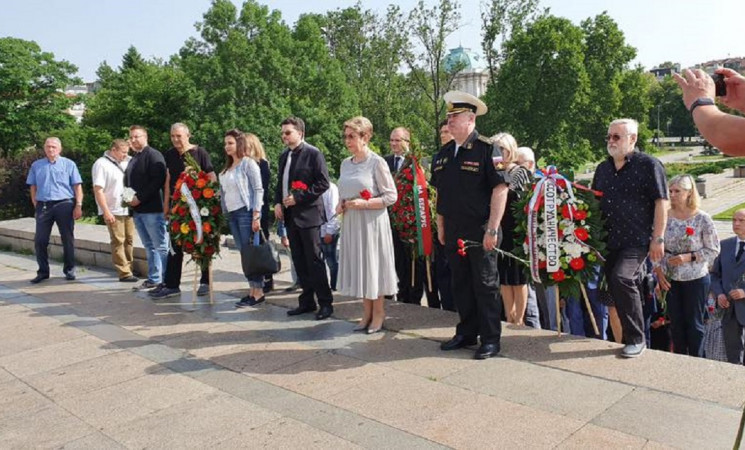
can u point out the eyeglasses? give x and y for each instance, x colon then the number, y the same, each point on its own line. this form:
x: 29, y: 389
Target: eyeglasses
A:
x: 349, y: 136
x: 287, y: 132
x: 615, y: 137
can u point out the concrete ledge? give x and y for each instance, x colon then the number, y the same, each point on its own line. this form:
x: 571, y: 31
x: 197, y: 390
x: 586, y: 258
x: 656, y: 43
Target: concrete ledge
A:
x: 92, y: 246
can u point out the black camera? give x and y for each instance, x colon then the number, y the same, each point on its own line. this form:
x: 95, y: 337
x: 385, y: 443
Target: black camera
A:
x: 720, y: 85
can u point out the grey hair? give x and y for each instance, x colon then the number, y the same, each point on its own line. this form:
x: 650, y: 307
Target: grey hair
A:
x: 632, y: 126
x: 180, y: 125
x: 526, y: 153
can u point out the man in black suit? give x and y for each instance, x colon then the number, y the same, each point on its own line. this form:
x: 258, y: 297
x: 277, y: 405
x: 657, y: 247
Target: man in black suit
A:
x: 728, y: 284
x: 303, y: 213
x: 408, y: 292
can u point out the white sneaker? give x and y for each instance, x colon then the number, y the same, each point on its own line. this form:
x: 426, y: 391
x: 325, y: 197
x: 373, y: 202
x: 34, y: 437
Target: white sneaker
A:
x: 633, y: 350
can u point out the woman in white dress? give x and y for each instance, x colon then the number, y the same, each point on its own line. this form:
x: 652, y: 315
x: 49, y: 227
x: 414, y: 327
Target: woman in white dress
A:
x: 366, y: 188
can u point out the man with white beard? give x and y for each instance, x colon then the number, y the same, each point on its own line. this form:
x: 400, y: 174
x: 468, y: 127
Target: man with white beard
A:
x: 634, y: 205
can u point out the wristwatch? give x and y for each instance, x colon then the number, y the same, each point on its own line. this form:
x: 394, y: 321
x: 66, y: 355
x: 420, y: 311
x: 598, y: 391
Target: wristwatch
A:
x: 491, y: 232
x: 701, y: 101
x: 659, y: 239
x: 693, y: 257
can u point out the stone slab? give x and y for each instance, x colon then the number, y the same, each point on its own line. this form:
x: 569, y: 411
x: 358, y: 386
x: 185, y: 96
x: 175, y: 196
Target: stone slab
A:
x: 46, y: 428
x: 565, y: 393
x: 672, y: 420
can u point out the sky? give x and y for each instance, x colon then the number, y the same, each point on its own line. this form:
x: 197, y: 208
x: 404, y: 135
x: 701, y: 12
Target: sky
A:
x: 88, y: 32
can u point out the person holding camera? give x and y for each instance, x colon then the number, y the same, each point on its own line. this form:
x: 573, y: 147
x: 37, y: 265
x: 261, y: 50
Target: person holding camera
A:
x: 722, y: 130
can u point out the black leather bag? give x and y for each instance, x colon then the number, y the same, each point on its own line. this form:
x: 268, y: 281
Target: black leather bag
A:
x: 259, y: 258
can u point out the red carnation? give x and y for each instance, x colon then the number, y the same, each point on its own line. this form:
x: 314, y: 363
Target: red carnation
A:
x: 462, y: 252
x: 181, y: 211
x: 565, y: 211
x: 559, y: 276
x: 192, y: 225
x: 176, y: 195
x: 542, y: 264
x: 189, y: 182
x: 690, y: 231
x: 188, y: 247
x: 365, y: 194
x: 215, y: 210
x: 581, y: 234
x: 209, y: 250
x: 577, y: 263
x: 710, y: 308
x: 580, y: 214
x: 298, y: 185
x: 196, y: 193
x: 175, y: 227
x: 461, y: 243
x: 561, y: 183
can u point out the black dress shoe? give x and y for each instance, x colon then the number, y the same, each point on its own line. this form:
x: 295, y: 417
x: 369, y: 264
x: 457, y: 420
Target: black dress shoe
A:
x: 70, y: 276
x: 301, y: 310
x: 458, y: 341
x: 325, y: 312
x: 487, y: 351
x: 38, y: 279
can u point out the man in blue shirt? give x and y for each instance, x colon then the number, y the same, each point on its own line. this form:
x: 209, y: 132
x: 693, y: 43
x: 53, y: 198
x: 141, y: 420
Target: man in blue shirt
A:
x: 57, y: 195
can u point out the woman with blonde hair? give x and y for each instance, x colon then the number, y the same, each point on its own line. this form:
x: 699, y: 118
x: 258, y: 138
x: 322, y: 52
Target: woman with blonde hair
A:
x: 691, y: 245
x: 512, y: 279
x: 366, y: 262
x: 242, y: 195
x: 255, y: 151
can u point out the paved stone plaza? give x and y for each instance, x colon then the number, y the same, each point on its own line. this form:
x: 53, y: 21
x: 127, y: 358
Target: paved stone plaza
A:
x: 90, y: 364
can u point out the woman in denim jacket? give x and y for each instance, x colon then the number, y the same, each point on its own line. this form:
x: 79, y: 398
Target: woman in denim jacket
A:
x: 242, y: 197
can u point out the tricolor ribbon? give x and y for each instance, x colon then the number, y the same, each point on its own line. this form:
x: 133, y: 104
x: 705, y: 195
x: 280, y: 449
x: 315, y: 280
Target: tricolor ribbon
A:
x: 193, y: 210
x: 421, y: 207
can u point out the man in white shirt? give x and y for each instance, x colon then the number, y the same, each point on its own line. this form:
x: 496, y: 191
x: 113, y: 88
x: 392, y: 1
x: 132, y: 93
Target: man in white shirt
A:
x: 330, y: 232
x: 108, y: 187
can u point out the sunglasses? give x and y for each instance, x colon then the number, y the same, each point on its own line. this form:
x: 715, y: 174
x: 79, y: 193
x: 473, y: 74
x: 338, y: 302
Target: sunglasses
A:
x: 615, y: 137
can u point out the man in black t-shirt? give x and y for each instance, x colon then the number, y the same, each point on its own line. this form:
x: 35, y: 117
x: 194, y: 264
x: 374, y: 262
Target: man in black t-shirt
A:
x: 175, y: 164
x: 634, y: 205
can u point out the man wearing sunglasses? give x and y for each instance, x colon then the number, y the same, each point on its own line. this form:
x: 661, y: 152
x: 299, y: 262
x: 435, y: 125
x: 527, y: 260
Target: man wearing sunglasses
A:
x: 634, y: 205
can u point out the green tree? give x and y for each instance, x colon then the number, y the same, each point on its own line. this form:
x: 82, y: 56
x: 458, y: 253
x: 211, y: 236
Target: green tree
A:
x: 606, y: 60
x: 370, y: 49
x: 242, y: 63
x: 498, y: 19
x: 148, y: 93
x: 31, y: 98
x: 428, y: 29
x: 542, y: 90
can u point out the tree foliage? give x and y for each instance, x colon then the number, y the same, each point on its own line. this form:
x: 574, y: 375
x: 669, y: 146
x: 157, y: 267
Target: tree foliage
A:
x: 31, y: 94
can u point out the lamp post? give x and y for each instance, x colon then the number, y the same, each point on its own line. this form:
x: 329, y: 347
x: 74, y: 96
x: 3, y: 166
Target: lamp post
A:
x: 658, y: 126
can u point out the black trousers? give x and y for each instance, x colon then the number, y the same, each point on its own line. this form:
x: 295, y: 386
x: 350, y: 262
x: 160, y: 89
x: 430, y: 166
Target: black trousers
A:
x: 175, y: 265
x: 623, y: 269
x: 305, y: 247
x: 734, y: 336
x: 47, y: 214
x: 475, y: 284
x: 443, y: 277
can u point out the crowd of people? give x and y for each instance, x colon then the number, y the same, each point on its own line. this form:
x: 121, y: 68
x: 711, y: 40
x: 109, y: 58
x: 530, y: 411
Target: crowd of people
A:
x: 663, y: 254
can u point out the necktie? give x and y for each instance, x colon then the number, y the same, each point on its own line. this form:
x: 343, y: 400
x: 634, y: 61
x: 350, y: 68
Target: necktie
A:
x: 397, y: 164
x: 739, y: 251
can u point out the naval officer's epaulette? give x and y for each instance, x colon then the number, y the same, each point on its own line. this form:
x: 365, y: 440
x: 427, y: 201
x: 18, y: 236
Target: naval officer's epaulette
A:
x: 483, y: 138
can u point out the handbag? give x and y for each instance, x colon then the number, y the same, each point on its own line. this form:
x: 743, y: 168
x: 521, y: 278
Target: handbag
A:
x: 259, y: 258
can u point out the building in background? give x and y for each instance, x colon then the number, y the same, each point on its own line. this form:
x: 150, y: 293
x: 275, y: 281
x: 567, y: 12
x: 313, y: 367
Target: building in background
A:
x: 474, y: 74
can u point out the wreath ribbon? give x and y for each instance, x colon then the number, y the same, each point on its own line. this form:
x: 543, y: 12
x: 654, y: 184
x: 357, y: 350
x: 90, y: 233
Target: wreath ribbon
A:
x: 193, y: 210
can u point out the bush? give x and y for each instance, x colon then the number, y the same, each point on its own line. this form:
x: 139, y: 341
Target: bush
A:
x: 698, y: 169
x: 15, y: 196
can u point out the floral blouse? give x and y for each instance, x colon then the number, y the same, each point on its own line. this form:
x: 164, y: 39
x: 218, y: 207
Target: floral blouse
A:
x: 696, y: 235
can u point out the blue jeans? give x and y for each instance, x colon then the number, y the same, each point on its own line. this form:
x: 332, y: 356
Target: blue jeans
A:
x: 153, y: 232
x: 579, y: 321
x: 240, y: 227
x: 331, y: 257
